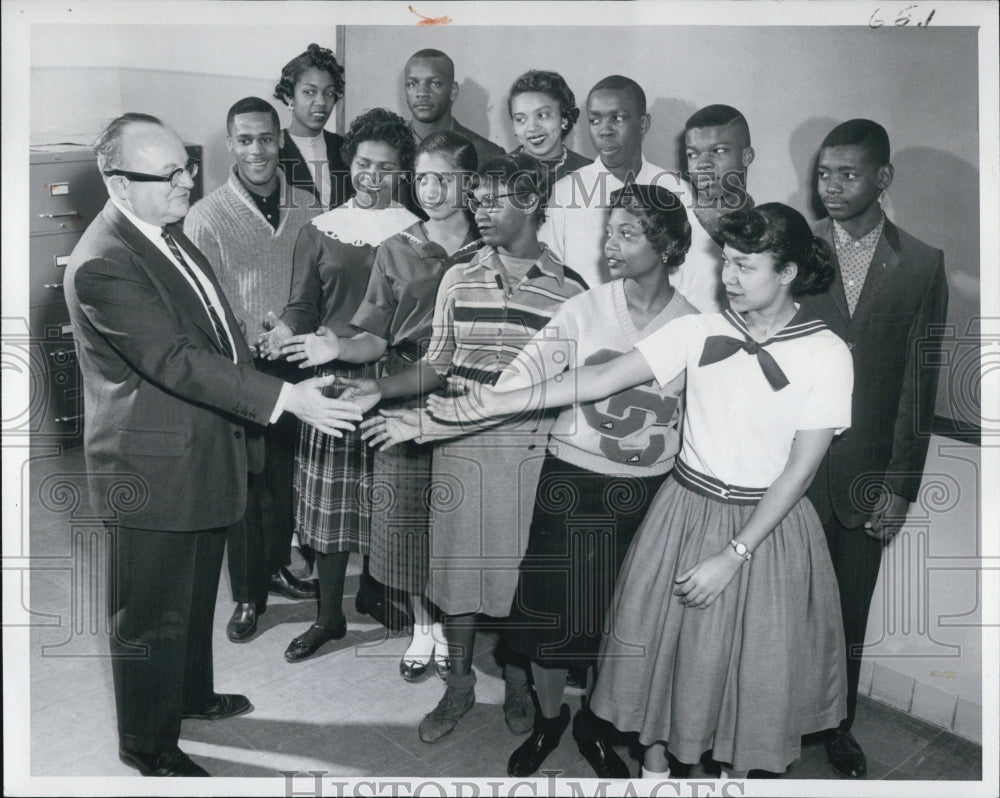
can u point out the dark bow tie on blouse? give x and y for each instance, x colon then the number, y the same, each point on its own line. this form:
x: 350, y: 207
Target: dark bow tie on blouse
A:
x: 719, y: 347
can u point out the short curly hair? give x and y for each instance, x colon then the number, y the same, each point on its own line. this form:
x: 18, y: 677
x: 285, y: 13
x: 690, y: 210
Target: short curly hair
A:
x: 784, y: 233
x: 522, y: 175
x: 551, y: 84
x: 662, y: 216
x: 314, y: 56
x: 380, y: 124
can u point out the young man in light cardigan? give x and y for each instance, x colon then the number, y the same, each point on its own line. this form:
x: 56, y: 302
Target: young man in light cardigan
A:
x: 247, y: 228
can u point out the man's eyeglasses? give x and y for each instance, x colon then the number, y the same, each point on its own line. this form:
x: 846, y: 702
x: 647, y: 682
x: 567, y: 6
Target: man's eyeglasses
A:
x: 140, y: 177
x: 488, y: 202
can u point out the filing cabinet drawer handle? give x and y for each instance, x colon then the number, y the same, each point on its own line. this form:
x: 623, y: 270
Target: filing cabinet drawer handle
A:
x: 57, y: 215
x: 67, y: 419
x: 53, y: 286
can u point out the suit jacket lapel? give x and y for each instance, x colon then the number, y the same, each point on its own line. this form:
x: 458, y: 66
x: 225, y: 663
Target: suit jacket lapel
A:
x: 883, y: 270
x: 231, y: 321
x: 837, y: 294
x: 149, y: 258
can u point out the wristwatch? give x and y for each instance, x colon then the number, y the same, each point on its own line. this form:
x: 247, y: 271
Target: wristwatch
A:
x: 741, y: 549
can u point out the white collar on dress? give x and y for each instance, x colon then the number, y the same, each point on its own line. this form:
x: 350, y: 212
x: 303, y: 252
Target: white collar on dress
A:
x: 362, y: 226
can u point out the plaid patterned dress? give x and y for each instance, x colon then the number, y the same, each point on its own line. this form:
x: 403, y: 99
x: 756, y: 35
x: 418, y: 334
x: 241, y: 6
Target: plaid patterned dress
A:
x: 331, y: 266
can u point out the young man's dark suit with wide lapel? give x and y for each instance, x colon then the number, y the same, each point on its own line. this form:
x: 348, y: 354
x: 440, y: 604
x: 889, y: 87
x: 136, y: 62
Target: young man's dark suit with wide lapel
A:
x: 165, y: 410
x: 896, y: 325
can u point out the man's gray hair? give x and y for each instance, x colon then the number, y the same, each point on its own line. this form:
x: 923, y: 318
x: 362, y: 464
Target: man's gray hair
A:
x: 108, y: 146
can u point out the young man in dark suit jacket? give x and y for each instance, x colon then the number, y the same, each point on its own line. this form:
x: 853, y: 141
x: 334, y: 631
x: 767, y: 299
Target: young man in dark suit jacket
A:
x: 172, y: 404
x: 888, y: 302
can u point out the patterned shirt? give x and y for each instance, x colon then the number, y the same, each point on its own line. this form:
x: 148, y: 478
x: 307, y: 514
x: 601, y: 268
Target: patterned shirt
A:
x: 481, y: 323
x: 855, y: 256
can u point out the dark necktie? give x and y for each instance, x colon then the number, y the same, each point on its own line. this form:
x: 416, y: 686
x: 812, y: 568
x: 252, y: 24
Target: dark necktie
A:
x: 719, y: 347
x: 220, y: 328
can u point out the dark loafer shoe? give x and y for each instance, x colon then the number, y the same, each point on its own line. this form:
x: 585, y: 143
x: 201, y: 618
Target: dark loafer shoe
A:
x: 307, y: 643
x: 161, y: 763
x: 222, y: 705
x: 603, y: 759
x: 285, y: 584
x: 845, y: 755
x: 543, y: 741
x: 591, y: 735
x: 244, y: 621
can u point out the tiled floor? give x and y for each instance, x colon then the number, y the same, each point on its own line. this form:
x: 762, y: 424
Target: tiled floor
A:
x: 345, y: 711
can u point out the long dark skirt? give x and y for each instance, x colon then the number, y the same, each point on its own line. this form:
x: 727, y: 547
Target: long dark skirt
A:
x: 582, y: 527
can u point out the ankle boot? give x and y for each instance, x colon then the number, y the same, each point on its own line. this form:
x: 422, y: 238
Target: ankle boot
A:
x: 542, y: 742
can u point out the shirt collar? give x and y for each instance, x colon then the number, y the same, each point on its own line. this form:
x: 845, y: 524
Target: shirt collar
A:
x: 274, y: 198
x: 416, y: 236
x: 418, y: 138
x: 545, y: 264
x: 868, y: 241
x: 639, y: 176
x: 151, y: 231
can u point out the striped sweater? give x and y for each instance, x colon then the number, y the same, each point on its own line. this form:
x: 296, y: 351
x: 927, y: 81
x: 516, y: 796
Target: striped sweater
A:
x: 480, y: 325
x: 252, y: 260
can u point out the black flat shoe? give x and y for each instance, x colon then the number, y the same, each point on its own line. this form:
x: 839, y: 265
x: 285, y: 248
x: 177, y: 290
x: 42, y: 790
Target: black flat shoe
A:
x: 284, y: 583
x: 413, y: 670
x: 222, y: 705
x: 244, y: 621
x: 603, y: 759
x: 845, y: 755
x: 591, y: 735
x: 543, y: 741
x: 161, y: 763
x: 307, y: 643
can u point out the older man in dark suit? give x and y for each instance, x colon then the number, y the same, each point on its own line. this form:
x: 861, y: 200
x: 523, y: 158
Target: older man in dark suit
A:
x: 172, y: 401
x: 888, y: 302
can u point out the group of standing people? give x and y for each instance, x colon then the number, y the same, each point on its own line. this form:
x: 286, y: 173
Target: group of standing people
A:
x: 611, y: 403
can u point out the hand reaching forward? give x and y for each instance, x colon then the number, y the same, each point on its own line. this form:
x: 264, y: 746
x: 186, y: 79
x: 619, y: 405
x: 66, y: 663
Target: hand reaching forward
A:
x: 462, y: 406
x: 360, y: 390
x: 312, y: 349
x: 329, y: 416
x: 391, y: 427
x: 699, y: 586
x: 269, y: 343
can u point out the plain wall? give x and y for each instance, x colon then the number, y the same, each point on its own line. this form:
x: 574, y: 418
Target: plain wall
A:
x: 924, y: 627
x: 188, y: 75
x: 793, y: 84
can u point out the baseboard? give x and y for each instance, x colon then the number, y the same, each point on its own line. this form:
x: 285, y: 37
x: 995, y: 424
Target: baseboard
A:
x: 924, y: 701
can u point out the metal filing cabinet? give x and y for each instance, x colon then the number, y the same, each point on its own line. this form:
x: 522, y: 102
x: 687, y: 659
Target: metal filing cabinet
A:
x: 66, y: 193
